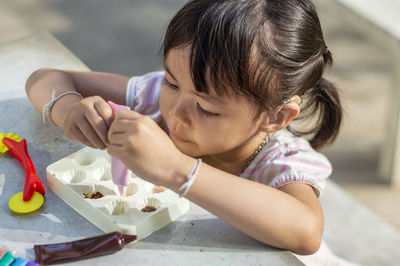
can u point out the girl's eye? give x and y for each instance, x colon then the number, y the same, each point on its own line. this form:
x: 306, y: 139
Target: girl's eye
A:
x: 205, y: 113
x: 201, y: 111
x: 170, y: 85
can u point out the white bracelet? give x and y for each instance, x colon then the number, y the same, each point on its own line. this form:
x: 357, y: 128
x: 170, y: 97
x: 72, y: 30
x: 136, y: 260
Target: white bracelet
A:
x: 46, y: 115
x: 190, y: 179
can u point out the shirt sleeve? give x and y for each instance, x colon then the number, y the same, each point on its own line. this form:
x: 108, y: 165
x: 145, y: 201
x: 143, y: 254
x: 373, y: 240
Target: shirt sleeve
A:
x: 291, y: 160
x: 143, y: 93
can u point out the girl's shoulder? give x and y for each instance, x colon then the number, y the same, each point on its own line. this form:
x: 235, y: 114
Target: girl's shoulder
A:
x: 143, y: 93
x: 284, y: 143
x: 288, y: 158
x: 140, y: 87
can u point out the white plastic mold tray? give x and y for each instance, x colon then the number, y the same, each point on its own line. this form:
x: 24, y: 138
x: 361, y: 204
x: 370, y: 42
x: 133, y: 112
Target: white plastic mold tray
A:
x: 83, y: 181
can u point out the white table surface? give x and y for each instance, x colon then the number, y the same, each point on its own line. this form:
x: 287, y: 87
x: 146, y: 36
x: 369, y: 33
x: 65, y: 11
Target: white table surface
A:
x: 197, y: 238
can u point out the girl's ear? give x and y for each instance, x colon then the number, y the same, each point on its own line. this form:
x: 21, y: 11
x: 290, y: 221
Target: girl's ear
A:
x: 283, y: 116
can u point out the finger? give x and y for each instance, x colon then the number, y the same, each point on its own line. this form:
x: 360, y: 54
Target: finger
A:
x: 120, y: 126
x: 98, y: 124
x: 125, y: 120
x: 104, y: 110
x: 80, y: 137
x: 89, y: 133
x: 115, y: 150
x: 117, y: 139
x: 112, y: 150
x: 128, y: 114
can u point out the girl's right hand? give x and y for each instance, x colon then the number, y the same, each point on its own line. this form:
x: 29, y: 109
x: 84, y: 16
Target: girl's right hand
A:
x: 88, y: 121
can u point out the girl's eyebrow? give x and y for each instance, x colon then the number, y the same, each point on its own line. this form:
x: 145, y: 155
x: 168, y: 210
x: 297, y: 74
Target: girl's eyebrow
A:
x: 206, y: 97
x: 169, y: 71
x: 210, y: 98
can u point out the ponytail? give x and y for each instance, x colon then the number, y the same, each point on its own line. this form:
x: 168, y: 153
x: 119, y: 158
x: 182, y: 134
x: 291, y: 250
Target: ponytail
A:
x: 324, y: 101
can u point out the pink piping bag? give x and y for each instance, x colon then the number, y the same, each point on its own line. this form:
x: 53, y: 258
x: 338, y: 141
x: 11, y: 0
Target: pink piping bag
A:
x: 119, y: 172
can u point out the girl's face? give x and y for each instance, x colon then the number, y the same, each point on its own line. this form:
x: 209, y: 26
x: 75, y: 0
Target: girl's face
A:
x: 201, y: 124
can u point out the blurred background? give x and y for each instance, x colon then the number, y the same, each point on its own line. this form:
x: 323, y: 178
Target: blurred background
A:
x: 124, y: 36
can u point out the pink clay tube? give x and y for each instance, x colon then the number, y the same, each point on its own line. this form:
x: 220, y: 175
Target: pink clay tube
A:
x: 119, y: 172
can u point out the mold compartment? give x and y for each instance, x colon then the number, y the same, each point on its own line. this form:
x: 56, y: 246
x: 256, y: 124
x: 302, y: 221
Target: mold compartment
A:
x: 103, y: 173
x: 97, y: 192
x: 157, y: 189
x: 148, y: 205
x: 116, y: 207
x: 84, y: 158
x: 153, y: 189
x: 131, y: 189
x: 74, y: 176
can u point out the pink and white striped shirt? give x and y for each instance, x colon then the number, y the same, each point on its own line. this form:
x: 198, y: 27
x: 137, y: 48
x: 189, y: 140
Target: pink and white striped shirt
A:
x: 285, y: 159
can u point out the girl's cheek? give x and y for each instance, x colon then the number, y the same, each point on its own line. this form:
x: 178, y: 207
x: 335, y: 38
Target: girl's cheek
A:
x: 165, y: 101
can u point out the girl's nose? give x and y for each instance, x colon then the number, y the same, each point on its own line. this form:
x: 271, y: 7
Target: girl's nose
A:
x: 179, y: 111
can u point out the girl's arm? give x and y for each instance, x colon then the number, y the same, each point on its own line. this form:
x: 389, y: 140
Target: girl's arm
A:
x: 70, y: 113
x: 290, y: 218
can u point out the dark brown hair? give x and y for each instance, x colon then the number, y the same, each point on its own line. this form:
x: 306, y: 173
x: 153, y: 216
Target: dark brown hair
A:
x: 264, y: 50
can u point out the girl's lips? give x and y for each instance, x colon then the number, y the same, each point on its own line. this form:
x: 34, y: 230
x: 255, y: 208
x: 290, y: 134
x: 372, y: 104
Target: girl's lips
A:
x: 176, y: 137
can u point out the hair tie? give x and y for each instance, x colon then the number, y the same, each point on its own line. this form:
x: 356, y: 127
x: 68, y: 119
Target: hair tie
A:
x: 326, y: 50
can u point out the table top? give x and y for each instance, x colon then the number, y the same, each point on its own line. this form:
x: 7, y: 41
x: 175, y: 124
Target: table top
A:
x: 197, y: 238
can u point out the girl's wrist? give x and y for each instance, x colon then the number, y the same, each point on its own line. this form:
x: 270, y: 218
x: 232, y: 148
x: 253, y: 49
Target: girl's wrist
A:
x: 181, y: 173
x: 184, y: 189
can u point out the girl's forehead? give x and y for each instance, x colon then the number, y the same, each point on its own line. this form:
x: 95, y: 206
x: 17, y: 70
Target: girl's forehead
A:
x: 178, y: 58
x: 177, y: 67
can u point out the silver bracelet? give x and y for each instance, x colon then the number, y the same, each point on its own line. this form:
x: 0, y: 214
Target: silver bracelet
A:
x: 190, y: 179
x: 46, y: 111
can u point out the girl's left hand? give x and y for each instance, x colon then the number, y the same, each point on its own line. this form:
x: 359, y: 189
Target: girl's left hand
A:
x: 144, y: 148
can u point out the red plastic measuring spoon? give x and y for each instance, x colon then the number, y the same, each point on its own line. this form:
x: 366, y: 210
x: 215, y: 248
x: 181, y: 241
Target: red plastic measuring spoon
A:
x: 32, y: 181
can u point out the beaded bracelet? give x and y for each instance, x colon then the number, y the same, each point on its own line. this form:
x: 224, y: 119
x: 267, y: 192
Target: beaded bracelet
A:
x: 47, y: 107
x: 190, y: 179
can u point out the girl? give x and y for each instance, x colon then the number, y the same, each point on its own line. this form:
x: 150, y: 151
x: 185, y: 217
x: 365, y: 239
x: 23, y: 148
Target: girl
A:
x: 214, y: 126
